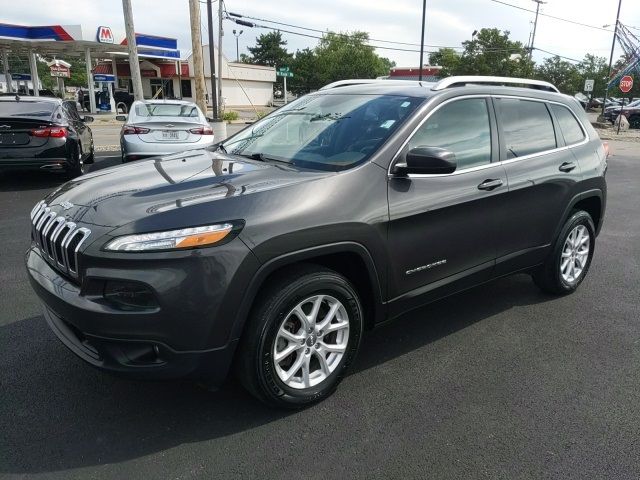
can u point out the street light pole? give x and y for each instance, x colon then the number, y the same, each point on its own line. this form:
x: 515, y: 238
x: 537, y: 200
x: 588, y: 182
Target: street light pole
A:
x: 613, y: 46
x: 237, y: 35
x: 424, y: 11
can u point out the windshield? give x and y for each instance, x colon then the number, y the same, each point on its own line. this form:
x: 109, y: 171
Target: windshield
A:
x: 166, y: 110
x: 325, y: 132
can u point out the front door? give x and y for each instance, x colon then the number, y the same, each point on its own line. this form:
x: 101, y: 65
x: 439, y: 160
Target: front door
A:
x: 442, y: 227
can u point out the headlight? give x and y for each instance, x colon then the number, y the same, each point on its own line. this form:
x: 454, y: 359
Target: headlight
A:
x: 171, y: 240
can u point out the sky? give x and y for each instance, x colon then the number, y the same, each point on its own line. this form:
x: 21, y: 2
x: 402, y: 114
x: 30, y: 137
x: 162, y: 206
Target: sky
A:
x: 448, y: 22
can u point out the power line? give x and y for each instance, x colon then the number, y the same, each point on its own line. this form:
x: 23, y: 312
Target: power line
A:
x: 552, y: 16
x: 556, y: 55
x: 256, y: 25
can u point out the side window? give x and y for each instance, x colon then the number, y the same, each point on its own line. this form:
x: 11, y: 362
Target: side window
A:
x: 527, y: 127
x: 463, y: 128
x: 571, y: 129
x: 70, y: 111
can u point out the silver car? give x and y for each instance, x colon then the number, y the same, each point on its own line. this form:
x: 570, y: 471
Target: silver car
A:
x: 160, y: 127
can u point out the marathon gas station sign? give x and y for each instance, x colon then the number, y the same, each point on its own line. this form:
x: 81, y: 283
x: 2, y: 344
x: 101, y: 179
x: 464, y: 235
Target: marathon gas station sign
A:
x: 104, y: 35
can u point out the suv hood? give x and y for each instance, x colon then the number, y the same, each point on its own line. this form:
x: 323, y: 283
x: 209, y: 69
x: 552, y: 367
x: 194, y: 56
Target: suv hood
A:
x: 119, y: 195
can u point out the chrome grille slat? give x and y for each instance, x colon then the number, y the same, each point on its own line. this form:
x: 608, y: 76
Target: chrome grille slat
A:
x: 59, y: 240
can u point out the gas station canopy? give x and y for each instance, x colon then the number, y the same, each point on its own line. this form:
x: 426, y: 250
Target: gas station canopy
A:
x: 67, y: 41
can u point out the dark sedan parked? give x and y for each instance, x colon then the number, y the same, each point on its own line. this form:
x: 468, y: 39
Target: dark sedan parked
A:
x: 44, y: 133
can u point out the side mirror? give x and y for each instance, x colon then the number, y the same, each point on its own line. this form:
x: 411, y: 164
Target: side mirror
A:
x: 426, y: 160
x: 87, y: 119
x: 121, y: 118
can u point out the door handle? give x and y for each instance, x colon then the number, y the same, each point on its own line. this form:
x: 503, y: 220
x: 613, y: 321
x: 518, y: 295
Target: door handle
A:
x: 490, y: 184
x: 567, y: 166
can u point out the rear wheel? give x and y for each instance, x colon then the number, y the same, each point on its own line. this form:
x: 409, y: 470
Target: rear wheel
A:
x: 77, y: 167
x: 569, y: 261
x: 302, y: 336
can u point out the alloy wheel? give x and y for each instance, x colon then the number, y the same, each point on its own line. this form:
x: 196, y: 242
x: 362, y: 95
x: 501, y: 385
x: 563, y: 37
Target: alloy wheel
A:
x: 575, y: 254
x: 311, y: 341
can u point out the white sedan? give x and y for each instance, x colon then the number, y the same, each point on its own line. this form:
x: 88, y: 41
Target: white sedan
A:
x: 161, y: 127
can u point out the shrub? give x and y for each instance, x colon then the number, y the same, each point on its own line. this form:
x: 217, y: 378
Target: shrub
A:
x: 228, y: 116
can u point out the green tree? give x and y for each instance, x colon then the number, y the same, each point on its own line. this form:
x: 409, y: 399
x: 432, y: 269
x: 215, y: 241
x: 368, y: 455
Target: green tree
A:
x: 269, y: 50
x: 448, y: 59
x: 492, y: 53
x: 306, y: 76
x: 343, y: 56
x: 561, y: 73
x: 594, y: 68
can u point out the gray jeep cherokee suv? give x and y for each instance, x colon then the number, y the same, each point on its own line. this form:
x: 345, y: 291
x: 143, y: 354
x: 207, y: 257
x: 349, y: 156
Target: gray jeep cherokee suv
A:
x: 272, y: 251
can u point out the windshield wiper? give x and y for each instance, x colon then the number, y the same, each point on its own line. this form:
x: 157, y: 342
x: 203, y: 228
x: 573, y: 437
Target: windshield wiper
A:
x: 241, y: 140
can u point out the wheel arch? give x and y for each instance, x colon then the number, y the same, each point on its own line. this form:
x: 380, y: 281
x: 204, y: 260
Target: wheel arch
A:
x: 350, y: 259
x: 592, y: 202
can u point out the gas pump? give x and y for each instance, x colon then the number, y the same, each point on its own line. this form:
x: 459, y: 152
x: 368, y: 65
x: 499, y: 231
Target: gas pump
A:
x: 103, y: 86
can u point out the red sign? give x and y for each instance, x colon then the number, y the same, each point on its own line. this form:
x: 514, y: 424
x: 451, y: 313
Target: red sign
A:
x: 148, y: 73
x: 60, y: 71
x: 104, y: 35
x: 626, y: 84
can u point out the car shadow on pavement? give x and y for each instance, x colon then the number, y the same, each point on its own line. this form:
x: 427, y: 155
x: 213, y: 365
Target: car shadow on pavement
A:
x: 18, y: 181
x: 56, y: 413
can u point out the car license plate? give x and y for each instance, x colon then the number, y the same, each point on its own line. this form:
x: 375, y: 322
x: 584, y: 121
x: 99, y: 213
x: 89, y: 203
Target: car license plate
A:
x: 170, y: 135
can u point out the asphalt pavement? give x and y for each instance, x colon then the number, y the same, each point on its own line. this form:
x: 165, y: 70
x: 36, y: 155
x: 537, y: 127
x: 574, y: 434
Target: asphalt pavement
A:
x: 500, y: 382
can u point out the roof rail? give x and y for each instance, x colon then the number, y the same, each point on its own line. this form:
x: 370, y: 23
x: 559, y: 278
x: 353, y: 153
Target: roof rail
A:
x: 489, y: 80
x: 363, y: 81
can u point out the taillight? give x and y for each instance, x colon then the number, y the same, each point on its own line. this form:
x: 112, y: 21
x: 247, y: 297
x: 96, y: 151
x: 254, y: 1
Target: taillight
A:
x: 606, y: 149
x: 133, y: 130
x: 54, y: 132
x: 202, y: 131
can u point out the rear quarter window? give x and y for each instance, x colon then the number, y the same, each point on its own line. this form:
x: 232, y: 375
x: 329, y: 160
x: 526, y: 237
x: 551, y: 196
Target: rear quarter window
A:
x: 569, y: 126
x: 527, y: 127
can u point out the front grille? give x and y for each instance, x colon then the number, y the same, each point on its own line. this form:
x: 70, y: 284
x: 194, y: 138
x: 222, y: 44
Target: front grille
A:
x: 58, y: 239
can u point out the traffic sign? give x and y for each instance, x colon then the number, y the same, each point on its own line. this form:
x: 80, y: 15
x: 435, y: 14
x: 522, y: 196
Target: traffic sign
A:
x: 588, y: 85
x: 626, y: 84
x: 283, y: 69
x: 20, y: 76
x: 284, y: 74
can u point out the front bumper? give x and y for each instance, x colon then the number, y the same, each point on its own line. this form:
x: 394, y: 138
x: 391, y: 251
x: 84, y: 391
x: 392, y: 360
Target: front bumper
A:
x: 138, y: 344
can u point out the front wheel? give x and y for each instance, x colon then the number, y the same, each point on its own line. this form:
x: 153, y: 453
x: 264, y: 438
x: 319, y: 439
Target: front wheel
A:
x: 569, y: 261
x: 303, y: 334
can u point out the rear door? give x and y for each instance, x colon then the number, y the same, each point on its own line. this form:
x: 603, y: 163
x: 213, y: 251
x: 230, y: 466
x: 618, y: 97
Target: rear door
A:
x: 543, y: 175
x: 442, y: 227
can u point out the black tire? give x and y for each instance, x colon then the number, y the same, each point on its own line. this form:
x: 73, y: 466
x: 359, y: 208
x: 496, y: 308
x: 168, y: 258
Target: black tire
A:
x: 75, y: 168
x: 255, y: 365
x: 548, y: 276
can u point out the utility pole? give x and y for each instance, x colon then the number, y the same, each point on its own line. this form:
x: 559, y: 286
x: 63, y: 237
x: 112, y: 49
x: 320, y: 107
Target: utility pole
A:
x: 613, y: 46
x: 212, y: 63
x: 535, y: 25
x: 5, y: 66
x: 196, y: 46
x: 220, y: 34
x: 134, y: 65
x: 424, y: 12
